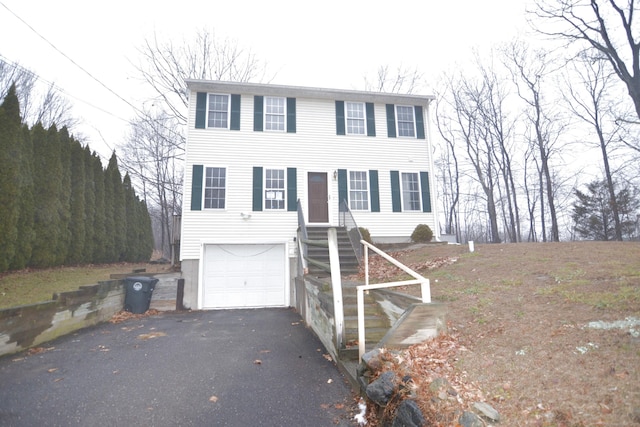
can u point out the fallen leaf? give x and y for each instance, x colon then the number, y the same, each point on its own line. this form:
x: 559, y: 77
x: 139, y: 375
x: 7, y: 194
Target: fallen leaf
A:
x: 265, y: 351
x: 58, y: 380
x: 329, y: 381
x: 213, y: 399
x: 52, y: 370
x: 295, y: 323
x: 116, y: 372
x: 339, y: 406
x: 257, y: 362
x: 151, y: 335
x: 328, y: 357
x: 19, y: 359
x: 324, y: 406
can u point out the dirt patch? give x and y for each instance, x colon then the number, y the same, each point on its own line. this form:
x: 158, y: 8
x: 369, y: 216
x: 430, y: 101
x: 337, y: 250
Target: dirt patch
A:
x: 527, y: 316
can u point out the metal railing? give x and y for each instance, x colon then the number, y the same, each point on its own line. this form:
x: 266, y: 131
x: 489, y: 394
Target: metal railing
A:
x: 349, y: 223
x: 419, y: 279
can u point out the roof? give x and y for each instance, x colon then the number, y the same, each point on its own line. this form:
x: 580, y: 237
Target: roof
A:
x: 306, y: 92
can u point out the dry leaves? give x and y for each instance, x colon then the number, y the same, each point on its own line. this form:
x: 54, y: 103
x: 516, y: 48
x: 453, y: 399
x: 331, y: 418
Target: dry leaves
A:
x: 381, y: 269
x: 213, y: 399
x: 123, y: 315
x: 151, y: 335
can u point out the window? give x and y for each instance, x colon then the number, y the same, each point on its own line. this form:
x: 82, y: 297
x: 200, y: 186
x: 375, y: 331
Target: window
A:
x: 274, y: 189
x: 355, y: 118
x: 218, y: 111
x: 410, y: 192
x: 214, y: 188
x: 405, y: 118
x: 274, y: 113
x: 358, y: 191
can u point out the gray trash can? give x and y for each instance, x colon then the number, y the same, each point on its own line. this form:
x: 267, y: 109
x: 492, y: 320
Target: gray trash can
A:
x: 138, y: 293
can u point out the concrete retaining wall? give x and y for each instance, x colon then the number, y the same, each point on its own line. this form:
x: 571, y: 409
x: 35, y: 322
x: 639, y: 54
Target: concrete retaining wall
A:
x: 30, y: 325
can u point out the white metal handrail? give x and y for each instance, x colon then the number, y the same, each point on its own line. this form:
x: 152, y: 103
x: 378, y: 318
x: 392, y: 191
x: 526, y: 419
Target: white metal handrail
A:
x: 424, y: 283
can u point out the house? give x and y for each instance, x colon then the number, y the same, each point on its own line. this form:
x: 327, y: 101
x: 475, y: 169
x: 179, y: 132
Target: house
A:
x: 254, y: 150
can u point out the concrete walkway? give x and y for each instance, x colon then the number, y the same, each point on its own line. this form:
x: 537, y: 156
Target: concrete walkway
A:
x: 258, y: 367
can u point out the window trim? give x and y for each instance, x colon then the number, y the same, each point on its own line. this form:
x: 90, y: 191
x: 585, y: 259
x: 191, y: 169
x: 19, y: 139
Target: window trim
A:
x: 265, y: 189
x: 347, y: 118
x: 208, y: 111
x: 368, y: 190
x: 283, y: 115
x: 413, y: 122
x: 419, y: 191
x: 204, y: 187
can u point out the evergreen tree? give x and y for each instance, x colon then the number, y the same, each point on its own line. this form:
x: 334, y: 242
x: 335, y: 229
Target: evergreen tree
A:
x: 118, y: 208
x: 99, y: 227
x: 593, y: 214
x: 10, y: 133
x: 63, y: 243
x: 47, y: 183
x: 89, y: 205
x: 145, y: 233
x: 130, y: 201
x: 109, y: 219
x: 27, y: 204
x: 76, y: 254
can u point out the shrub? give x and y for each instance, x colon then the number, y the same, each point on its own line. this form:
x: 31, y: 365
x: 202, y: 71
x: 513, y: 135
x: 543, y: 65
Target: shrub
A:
x: 365, y: 235
x: 422, y: 234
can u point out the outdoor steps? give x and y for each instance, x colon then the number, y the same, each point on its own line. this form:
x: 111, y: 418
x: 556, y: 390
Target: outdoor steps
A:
x: 348, y: 260
x: 376, y: 322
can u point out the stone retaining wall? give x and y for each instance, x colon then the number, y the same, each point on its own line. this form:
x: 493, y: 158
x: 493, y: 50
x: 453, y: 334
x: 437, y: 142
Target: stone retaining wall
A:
x: 30, y: 325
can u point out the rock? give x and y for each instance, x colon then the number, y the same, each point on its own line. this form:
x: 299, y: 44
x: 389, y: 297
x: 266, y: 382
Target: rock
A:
x: 372, y: 359
x: 439, y: 383
x: 469, y: 419
x: 408, y: 415
x: 487, y: 411
x: 382, y: 389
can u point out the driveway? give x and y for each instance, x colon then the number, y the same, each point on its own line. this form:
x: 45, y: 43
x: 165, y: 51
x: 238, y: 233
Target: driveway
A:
x: 258, y: 367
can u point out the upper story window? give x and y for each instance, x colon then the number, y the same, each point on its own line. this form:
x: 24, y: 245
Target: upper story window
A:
x: 218, y: 112
x: 358, y: 191
x: 215, y: 183
x: 410, y: 192
x: 274, y: 113
x: 274, y: 189
x: 355, y: 118
x: 406, y: 122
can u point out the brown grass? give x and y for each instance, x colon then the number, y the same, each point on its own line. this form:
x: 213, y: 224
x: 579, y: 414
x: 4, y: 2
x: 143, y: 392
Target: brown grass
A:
x: 521, y: 311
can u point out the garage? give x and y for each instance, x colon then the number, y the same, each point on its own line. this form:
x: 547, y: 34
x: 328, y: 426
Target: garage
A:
x: 244, y: 275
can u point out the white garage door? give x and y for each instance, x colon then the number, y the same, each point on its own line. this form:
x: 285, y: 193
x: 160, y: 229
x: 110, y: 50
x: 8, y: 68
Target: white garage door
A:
x: 248, y: 275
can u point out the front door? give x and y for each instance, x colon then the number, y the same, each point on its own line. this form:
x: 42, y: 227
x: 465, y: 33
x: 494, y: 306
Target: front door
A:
x: 318, y: 197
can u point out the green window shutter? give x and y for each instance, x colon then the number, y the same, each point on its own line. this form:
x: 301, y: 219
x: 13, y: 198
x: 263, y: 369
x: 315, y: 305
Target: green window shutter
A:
x: 201, y: 110
x: 419, y: 122
x: 258, y: 110
x: 196, y: 188
x: 374, y: 191
x: 291, y: 115
x: 424, y: 187
x: 257, y: 188
x: 343, y: 186
x: 235, y: 112
x: 396, y: 201
x: 340, y: 127
x: 371, y: 119
x: 391, y: 121
x: 292, y: 190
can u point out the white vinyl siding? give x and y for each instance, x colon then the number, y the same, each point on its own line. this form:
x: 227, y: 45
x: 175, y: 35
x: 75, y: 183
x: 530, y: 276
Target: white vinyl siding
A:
x: 314, y: 147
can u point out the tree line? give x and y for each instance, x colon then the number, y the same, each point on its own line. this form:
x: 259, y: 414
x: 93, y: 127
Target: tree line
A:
x: 58, y: 205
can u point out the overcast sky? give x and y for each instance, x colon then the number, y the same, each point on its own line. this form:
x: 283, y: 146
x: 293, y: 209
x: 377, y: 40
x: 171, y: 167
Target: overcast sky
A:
x: 334, y: 44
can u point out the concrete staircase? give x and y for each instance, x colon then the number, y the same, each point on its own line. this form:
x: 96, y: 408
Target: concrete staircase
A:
x: 348, y: 261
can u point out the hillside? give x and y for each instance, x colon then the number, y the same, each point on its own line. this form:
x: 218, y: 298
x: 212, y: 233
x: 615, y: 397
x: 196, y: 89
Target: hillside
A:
x: 545, y: 331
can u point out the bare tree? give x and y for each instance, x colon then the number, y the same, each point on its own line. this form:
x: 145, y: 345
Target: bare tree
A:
x: 38, y: 103
x: 529, y: 69
x: 607, y: 26
x: 399, y: 80
x: 589, y: 100
x: 157, y: 139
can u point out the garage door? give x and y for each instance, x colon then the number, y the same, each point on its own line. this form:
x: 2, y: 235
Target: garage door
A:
x: 248, y: 275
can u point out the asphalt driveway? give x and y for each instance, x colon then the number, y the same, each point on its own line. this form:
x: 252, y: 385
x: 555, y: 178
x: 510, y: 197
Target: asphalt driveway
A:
x: 212, y: 368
